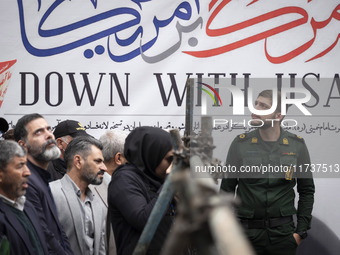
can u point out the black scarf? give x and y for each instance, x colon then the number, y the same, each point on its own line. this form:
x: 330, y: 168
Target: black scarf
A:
x: 145, y: 148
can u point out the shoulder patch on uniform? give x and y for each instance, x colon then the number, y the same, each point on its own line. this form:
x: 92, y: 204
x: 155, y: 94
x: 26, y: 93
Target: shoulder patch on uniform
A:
x: 297, y: 137
x: 241, y: 137
x: 245, y: 136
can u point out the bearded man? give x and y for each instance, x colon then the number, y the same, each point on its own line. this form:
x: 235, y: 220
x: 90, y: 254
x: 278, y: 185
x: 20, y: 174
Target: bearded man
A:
x: 82, y: 213
x: 34, y: 134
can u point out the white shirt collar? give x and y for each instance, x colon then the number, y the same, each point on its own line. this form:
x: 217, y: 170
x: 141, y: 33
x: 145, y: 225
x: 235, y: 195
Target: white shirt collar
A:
x: 18, y: 204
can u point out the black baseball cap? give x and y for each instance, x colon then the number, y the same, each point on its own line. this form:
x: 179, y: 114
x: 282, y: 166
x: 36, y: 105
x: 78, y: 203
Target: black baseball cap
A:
x: 69, y: 127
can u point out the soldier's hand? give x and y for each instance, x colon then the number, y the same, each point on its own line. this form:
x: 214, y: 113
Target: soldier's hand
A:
x: 298, y: 238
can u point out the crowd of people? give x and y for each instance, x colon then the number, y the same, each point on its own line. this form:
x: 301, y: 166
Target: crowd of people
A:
x: 56, y: 193
x: 64, y: 191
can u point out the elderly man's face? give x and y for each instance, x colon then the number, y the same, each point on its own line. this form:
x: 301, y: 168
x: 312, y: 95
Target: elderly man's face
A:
x: 14, y: 178
x: 40, y: 142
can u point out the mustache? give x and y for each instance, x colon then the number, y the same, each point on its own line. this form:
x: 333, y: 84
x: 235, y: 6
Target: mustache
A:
x: 49, y: 142
x: 25, y: 181
x: 101, y: 172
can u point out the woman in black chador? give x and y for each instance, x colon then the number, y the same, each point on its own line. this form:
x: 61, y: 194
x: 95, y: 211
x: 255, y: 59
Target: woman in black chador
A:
x: 135, y: 187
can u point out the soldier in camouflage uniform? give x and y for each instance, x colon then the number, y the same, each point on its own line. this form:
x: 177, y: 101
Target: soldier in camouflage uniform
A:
x: 278, y: 160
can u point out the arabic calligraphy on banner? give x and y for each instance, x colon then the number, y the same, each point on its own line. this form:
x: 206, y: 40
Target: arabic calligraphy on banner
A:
x: 296, y: 17
x: 122, y: 26
x: 130, y: 31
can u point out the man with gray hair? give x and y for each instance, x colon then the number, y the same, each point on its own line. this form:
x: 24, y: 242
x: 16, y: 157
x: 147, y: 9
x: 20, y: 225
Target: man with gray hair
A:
x: 81, y: 213
x: 34, y: 134
x: 113, y: 148
x: 19, y: 223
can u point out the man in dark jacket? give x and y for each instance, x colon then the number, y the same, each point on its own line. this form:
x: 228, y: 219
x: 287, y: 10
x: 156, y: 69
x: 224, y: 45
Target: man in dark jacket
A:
x: 18, y: 221
x: 135, y: 187
x: 35, y: 135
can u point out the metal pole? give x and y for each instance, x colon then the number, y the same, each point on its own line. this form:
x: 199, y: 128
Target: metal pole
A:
x: 227, y: 234
x: 189, y: 110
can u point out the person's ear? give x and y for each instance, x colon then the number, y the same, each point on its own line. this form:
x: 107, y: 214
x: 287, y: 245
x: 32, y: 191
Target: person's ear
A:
x: 59, y: 143
x: 279, y: 116
x: 118, y: 158
x: 22, y: 144
x: 77, y: 161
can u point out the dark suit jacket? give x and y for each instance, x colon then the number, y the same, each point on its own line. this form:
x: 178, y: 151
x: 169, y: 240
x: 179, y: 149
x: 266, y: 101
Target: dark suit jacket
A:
x: 39, y: 194
x: 10, y: 227
x: 57, y: 169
